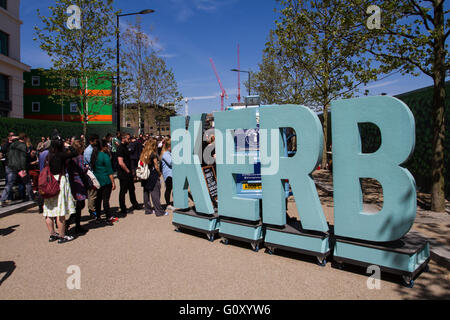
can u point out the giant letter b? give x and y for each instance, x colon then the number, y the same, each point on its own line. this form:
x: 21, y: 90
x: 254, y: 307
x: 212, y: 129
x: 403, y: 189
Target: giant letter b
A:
x: 396, y: 124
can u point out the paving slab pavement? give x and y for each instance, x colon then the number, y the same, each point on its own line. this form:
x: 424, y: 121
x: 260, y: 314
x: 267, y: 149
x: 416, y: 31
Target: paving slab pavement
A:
x: 141, y: 257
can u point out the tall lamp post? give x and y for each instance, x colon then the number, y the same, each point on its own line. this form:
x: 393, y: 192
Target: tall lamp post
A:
x: 236, y: 70
x: 146, y: 11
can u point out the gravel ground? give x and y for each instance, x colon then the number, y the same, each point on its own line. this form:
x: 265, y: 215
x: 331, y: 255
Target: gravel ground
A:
x: 141, y: 257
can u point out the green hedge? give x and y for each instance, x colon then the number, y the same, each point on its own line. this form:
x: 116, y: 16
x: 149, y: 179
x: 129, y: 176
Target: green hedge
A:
x: 36, y: 129
x: 420, y: 102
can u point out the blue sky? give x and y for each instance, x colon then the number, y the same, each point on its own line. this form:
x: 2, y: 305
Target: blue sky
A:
x: 189, y: 32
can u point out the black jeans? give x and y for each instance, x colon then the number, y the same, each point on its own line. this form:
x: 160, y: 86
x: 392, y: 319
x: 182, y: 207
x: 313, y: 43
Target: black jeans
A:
x: 79, y: 206
x: 127, y: 185
x: 103, y: 195
x: 168, y: 191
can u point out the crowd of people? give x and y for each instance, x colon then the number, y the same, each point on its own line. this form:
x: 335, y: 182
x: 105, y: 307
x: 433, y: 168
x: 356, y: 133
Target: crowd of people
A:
x: 86, y: 170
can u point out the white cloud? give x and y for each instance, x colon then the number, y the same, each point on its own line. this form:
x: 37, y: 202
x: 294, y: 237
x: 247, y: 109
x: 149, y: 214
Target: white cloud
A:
x: 168, y: 55
x: 187, y: 8
x: 383, y: 84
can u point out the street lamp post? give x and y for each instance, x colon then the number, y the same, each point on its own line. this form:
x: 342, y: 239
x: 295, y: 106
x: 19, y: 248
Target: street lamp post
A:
x: 146, y: 11
x: 236, y: 70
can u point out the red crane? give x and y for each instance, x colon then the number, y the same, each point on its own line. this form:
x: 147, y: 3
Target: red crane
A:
x: 223, y: 93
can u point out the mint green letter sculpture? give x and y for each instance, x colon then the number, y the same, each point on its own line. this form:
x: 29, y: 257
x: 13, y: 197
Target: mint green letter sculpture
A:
x: 187, y: 171
x: 229, y: 163
x: 297, y: 168
x: 396, y: 124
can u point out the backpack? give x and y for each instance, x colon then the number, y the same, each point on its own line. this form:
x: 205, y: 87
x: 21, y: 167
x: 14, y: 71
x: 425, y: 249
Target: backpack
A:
x: 47, y: 184
x: 142, y: 171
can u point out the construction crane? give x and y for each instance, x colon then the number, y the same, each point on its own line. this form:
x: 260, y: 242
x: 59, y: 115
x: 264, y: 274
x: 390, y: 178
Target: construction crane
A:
x: 223, y: 94
x: 187, y: 99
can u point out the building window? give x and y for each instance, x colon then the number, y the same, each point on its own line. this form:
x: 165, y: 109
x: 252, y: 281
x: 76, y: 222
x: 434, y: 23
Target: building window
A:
x: 4, y: 88
x: 35, y: 81
x: 36, y: 107
x: 128, y: 125
x: 73, y: 107
x: 4, y: 42
x: 74, y: 82
x: 3, y: 4
x: 168, y: 129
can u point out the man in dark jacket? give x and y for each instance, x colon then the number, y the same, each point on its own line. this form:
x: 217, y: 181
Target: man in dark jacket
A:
x: 125, y: 176
x: 135, y: 149
x: 16, y: 167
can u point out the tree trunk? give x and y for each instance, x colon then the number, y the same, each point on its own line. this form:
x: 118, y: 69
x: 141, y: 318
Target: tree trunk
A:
x: 85, y: 119
x: 325, y: 138
x: 438, y: 181
x: 140, y: 118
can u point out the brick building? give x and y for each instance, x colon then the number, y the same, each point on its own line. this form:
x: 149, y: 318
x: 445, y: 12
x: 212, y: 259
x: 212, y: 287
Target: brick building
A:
x: 156, y: 119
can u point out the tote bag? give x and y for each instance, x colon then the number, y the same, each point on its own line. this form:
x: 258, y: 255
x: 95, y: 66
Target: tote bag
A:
x: 142, y: 171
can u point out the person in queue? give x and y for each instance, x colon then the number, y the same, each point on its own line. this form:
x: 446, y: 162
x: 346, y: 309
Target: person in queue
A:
x: 92, y: 193
x: 125, y: 176
x: 103, y: 171
x: 62, y: 205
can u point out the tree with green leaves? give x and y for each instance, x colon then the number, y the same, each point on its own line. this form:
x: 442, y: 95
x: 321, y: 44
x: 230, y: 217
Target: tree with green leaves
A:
x: 161, y: 88
x: 80, y: 52
x: 136, y: 51
x: 275, y: 83
x: 148, y: 81
x: 314, y: 39
x: 411, y: 37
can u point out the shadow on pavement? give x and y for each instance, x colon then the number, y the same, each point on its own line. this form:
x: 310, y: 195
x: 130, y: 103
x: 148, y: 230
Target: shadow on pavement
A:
x: 7, y: 267
x: 9, y: 230
x: 114, y: 211
x: 426, y: 289
x: 193, y: 233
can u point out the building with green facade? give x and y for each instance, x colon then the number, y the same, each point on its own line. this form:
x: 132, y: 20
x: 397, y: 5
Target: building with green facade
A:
x: 40, y: 84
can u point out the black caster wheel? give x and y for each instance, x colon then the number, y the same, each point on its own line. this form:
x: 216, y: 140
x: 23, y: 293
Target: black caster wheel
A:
x: 210, y: 237
x: 255, y: 247
x: 224, y: 241
x: 270, y: 250
x: 321, y: 262
x: 408, y: 281
x: 177, y: 229
x: 339, y: 265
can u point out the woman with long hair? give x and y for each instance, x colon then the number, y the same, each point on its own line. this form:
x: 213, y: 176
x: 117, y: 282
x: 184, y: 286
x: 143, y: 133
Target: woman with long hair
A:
x: 79, y: 184
x: 166, y: 164
x: 102, y: 168
x: 62, y: 205
x: 152, y: 186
